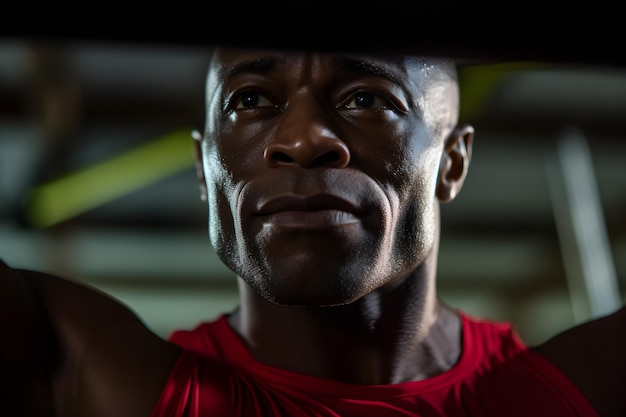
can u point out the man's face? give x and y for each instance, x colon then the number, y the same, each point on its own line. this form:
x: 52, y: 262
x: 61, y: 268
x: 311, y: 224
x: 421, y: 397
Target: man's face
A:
x: 321, y: 169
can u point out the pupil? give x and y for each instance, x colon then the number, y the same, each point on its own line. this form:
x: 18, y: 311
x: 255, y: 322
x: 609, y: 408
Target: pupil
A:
x: 250, y: 100
x: 364, y: 100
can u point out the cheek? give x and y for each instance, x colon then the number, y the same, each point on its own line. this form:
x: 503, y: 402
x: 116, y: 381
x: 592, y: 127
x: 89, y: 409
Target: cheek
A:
x: 220, y: 191
x: 418, y: 193
x: 411, y: 161
x: 413, y: 181
x: 241, y: 145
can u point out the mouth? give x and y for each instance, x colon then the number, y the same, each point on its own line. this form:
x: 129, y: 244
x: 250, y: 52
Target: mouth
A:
x: 308, y: 212
x: 318, y: 202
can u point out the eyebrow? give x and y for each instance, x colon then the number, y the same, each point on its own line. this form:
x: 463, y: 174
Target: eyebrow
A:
x: 261, y: 65
x: 360, y: 65
x: 391, y: 68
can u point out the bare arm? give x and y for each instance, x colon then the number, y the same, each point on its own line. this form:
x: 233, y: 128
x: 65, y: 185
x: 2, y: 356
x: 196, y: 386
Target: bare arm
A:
x: 26, y: 348
x: 87, y: 354
x: 593, y: 356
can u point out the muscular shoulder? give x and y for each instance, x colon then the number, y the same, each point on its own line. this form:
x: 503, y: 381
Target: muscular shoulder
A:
x: 26, y: 349
x: 593, y: 356
x: 80, y: 314
x: 94, y: 344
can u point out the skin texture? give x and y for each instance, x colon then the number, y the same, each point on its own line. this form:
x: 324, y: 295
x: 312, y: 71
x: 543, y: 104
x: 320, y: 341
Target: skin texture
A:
x: 306, y: 143
x: 68, y: 350
x: 323, y: 176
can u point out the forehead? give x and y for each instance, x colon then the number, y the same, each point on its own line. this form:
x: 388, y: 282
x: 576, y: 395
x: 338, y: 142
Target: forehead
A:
x: 228, y: 63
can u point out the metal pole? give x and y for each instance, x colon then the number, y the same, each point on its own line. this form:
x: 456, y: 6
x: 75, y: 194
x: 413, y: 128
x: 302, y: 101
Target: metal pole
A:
x: 582, y: 230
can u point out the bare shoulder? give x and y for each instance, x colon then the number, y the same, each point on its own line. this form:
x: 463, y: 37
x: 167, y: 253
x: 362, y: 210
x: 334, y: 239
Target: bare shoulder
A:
x: 90, y: 343
x: 593, y: 356
x: 25, y: 349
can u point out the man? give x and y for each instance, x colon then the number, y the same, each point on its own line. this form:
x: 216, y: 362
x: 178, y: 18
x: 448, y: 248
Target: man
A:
x: 323, y: 174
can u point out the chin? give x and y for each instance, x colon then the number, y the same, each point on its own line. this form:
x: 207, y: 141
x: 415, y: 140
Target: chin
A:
x: 311, y: 291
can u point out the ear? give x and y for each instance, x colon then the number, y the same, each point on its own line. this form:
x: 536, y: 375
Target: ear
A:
x: 455, y: 161
x: 197, y: 146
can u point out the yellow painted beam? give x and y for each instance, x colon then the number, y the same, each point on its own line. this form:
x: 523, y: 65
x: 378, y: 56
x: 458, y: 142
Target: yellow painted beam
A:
x: 66, y: 197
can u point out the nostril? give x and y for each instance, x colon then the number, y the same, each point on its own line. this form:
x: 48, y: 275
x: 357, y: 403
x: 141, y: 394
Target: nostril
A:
x: 329, y: 158
x: 315, y: 152
x: 281, y: 157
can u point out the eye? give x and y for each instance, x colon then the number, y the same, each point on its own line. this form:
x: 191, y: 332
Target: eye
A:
x: 367, y: 100
x: 252, y: 100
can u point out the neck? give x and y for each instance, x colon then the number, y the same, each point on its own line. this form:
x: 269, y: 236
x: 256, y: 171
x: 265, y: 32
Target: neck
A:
x: 391, y: 335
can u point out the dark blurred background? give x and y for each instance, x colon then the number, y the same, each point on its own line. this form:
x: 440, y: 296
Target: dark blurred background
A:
x: 97, y: 182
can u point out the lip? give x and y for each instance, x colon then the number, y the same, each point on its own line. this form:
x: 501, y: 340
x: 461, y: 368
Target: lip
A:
x: 319, y: 202
x: 309, y: 212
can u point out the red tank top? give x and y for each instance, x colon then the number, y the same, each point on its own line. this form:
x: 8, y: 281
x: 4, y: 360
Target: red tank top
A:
x: 495, y: 376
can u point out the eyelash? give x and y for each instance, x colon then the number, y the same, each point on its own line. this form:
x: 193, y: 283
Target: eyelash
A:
x: 379, y: 101
x: 263, y: 101
x: 237, y: 100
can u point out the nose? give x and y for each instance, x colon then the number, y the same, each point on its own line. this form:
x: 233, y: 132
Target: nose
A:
x: 305, y: 138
